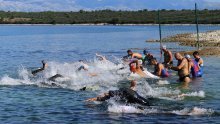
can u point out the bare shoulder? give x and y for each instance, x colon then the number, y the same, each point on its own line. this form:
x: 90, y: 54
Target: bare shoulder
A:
x: 160, y: 65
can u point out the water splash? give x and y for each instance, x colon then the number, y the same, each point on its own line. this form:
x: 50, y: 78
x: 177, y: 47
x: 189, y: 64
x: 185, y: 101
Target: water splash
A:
x: 193, y: 111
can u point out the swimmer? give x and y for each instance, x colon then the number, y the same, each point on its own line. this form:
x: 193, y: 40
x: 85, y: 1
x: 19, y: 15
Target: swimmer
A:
x: 182, y: 95
x: 101, y: 57
x: 159, y: 68
x: 168, y: 57
x: 198, y: 62
x: 40, y: 69
x: 135, y: 67
x: 147, y: 58
x: 53, y: 78
x: 134, y: 55
x: 182, y: 68
x: 126, y: 94
x: 83, y: 66
x: 193, y: 66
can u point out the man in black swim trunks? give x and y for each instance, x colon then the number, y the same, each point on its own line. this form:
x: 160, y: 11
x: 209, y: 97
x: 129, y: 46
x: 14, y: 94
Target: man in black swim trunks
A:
x: 182, y: 68
x: 126, y: 94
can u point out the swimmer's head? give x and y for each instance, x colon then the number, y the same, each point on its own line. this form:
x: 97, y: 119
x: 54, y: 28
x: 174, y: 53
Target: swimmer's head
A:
x: 164, y: 47
x: 145, y: 52
x: 187, y: 56
x: 129, y: 52
x: 133, y: 68
x: 196, y: 54
x: 178, y: 56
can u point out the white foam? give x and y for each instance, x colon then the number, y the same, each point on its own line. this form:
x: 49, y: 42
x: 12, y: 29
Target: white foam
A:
x: 194, y: 111
x: 158, y: 92
x: 194, y: 94
x: 101, y: 73
x: 198, y: 94
x: 162, y: 82
x: 6, y: 80
x: 124, y: 109
x: 148, y: 75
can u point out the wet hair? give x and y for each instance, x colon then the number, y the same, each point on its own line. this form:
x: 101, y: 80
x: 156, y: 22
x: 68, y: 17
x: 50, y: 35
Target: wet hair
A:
x: 196, y: 53
x: 187, y: 56
x: 129, y: 51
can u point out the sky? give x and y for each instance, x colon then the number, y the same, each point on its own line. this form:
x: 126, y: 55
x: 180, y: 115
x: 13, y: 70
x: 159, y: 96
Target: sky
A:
x: 76, y: 5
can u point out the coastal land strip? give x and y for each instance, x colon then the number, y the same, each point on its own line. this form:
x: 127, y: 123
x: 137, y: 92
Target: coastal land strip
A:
x: 209, y: 42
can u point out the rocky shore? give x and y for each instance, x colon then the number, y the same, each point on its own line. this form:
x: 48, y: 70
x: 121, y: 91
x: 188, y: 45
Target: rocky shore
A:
x: 205, y: 52
x: 209, y: 41
x: 206, y: 39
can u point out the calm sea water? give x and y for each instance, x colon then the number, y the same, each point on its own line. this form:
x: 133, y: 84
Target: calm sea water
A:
x: 25, y: 100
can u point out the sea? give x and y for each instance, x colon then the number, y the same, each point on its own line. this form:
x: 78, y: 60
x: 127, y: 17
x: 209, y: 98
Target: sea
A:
x: 26, y: 98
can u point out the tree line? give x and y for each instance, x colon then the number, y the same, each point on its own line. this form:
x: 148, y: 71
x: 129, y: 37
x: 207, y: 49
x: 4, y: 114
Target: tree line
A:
x: 111, y: 17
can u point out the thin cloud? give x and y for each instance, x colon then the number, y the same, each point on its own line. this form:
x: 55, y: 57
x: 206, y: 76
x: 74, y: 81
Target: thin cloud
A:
x: 76, y: 5
x: 39, y: 5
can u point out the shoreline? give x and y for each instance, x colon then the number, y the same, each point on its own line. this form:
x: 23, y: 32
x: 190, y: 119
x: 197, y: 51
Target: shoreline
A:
x: 105, y: 24
x: 209, y: 42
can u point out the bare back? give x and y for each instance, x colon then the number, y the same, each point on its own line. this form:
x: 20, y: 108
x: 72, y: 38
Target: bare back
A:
x: 136, y: 55
x: 184, y: 67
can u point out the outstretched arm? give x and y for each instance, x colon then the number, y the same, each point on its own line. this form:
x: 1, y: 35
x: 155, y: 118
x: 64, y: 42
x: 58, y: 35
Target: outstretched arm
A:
x: 40, y: 69
x: 177, y: 68
x: 91, y: 99
x: 101, y: 57
x: 103, y: 97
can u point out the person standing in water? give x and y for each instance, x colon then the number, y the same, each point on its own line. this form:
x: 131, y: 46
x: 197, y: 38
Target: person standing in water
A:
x: 168, y: 57
x: 159, y: 69
x: 198, y: 70
x: 128, y: 95
x: 182, y: 68
x: 147, y: 57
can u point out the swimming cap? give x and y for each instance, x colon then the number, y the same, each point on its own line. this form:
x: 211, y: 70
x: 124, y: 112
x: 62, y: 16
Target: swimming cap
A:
x: 164, y: 47
x: 133, y: 68
x: 187, y: 56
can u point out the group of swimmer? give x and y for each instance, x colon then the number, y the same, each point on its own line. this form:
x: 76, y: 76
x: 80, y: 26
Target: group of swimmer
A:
x: 187, y: 69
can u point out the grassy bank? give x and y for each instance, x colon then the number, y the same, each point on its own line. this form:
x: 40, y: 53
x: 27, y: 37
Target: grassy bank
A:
x: 111, y: 17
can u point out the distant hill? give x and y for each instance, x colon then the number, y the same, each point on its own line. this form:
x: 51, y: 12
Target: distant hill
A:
x: 111, y: 17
